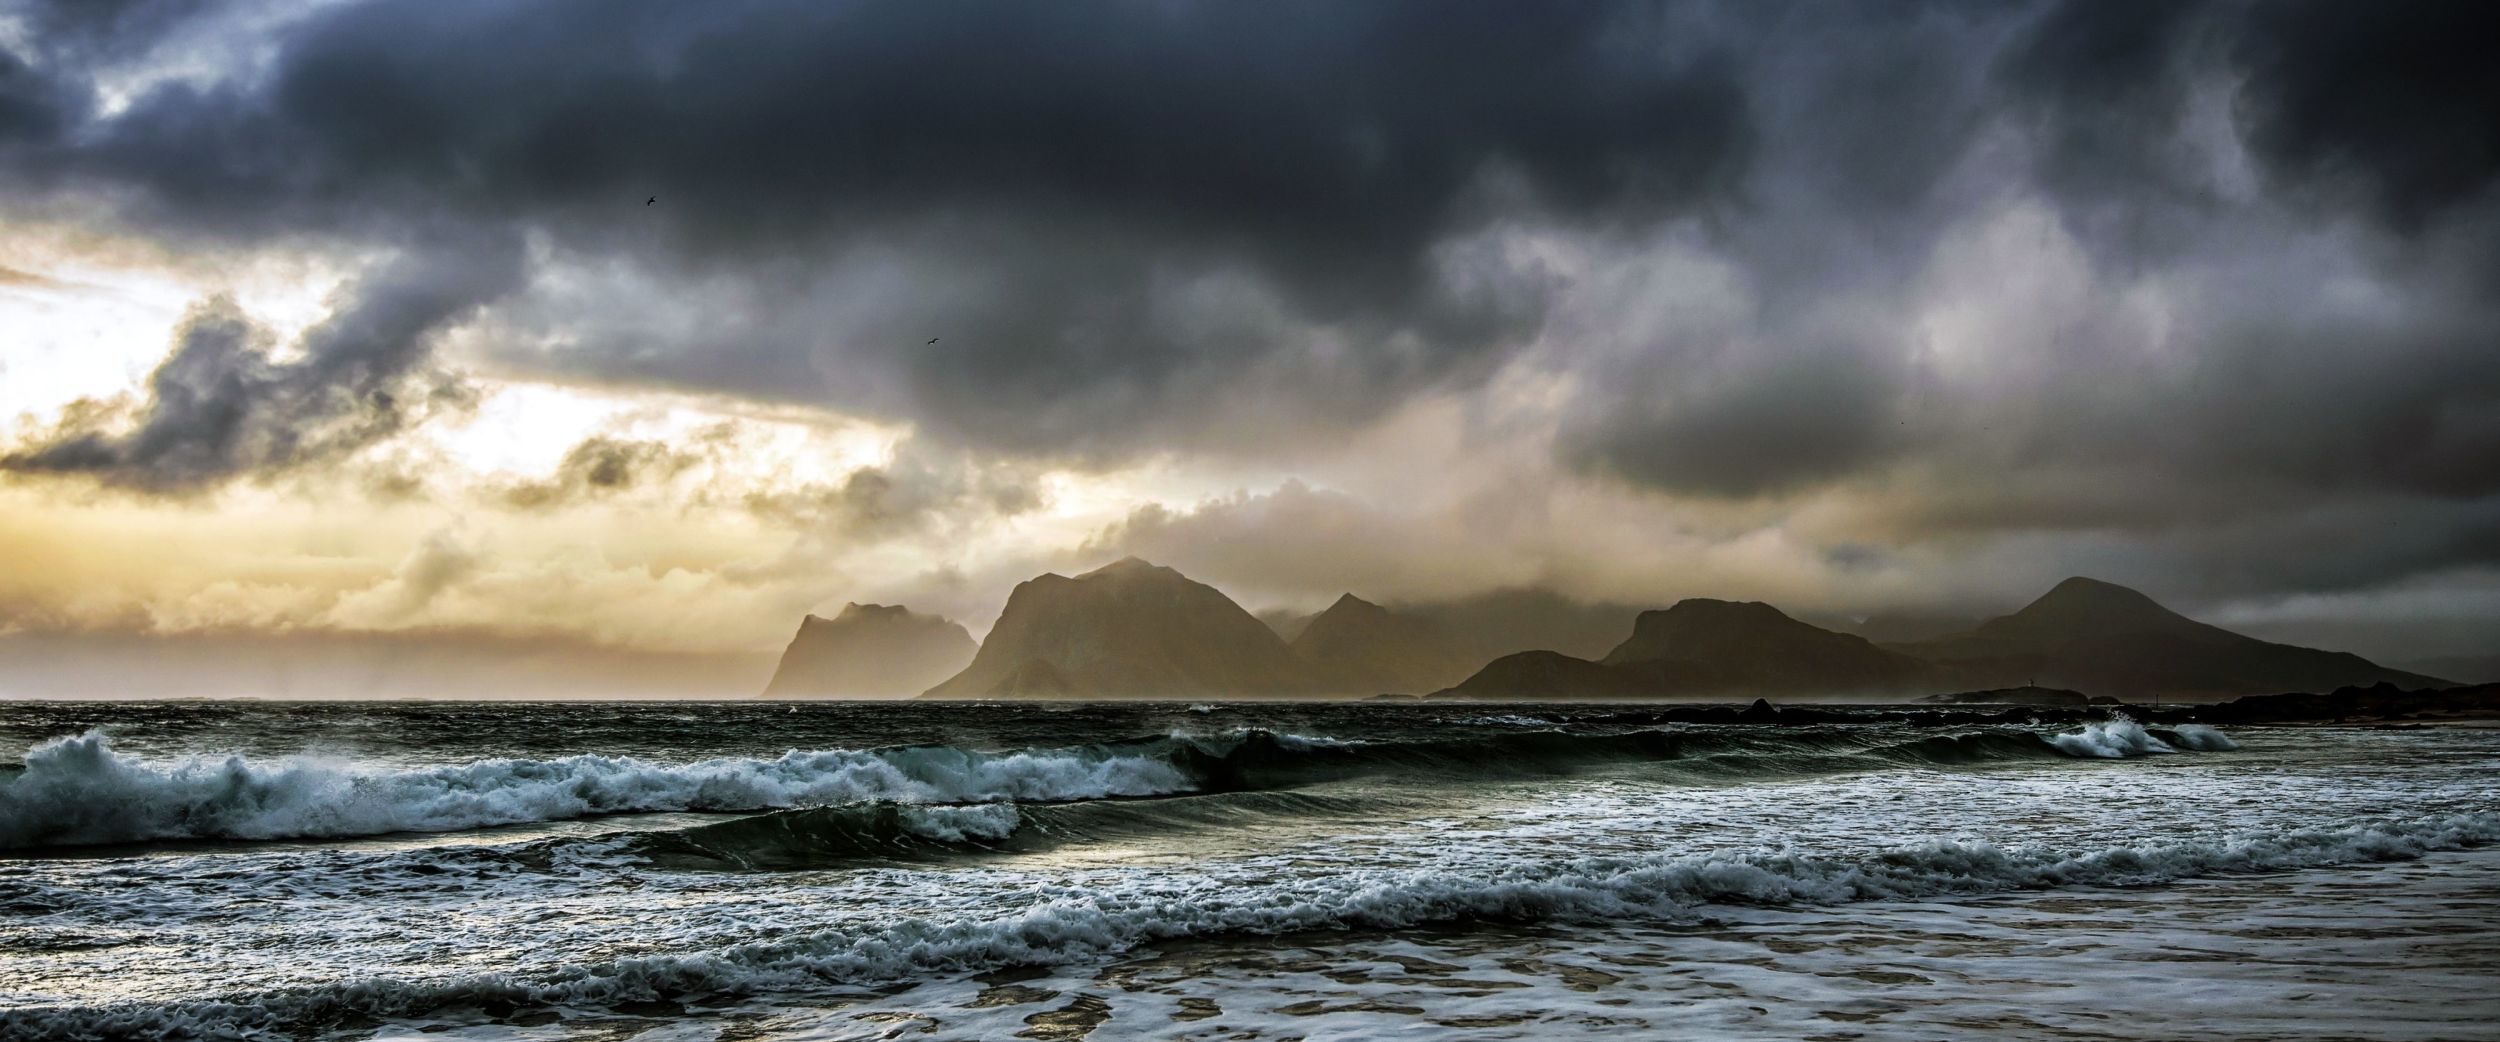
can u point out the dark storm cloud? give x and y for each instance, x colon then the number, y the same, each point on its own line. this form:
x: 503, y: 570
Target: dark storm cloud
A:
x: 1770, y: 430
x: 2298, y: 391
x: 33, y: 107
x: 2104, y: 85
x: 1237, y: 228
x: 2377, y: 116
x: 2394, y: 101
x: 220, y: 406
x: 1324, y: 135
x: 2412, y: 411
x: 87, y: 29
x: 1067, y: 166
x: 2387, y: 106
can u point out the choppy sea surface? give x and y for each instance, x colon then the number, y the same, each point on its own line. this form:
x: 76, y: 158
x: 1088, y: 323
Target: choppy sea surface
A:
x: 522, y: 871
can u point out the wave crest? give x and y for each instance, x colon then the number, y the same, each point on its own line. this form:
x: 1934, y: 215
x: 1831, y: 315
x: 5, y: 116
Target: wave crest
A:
x: 2111, y: 739
x: 80, y: 790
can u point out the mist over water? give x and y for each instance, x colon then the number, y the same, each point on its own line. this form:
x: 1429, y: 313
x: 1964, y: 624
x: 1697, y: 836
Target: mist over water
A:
x: 840, y: 870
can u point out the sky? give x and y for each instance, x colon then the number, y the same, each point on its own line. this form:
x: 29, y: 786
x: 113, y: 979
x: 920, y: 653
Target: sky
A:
x: 627, y: 331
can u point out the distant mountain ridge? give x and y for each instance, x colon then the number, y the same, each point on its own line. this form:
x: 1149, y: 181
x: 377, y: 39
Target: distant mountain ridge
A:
x: 2106, y: 639
x: 870, y: 650
x: 1133, y: 629
x: 1362, y: 648
x: 1499, y: 622
x: 1130, y: 629
x: 1705, y: 647
x: 1754, y: 645
x: 2084, y: 634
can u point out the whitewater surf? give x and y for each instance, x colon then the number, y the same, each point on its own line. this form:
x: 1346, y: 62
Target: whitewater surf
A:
x: 1151, y: 871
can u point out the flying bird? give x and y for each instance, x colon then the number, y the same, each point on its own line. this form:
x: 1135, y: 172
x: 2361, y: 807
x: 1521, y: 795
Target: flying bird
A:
x: 651, y: 200
x: 932, y: 340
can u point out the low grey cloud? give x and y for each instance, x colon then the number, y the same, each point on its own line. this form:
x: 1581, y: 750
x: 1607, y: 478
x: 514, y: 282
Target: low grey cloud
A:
x: 2392, y: 104
x: 1295, y: 541
x: 434, y: 566
x: 920, y: 491
x: 1765, y: 429
x: 603, y: 465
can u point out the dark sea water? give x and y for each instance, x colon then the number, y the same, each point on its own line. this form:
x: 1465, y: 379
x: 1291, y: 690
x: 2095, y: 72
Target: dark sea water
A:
x: 674, y: 871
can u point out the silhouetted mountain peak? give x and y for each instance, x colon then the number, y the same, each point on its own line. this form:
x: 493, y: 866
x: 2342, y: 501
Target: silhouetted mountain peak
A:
x: 1351, y: 603
x: 1695, y: 627
x: 1360, y: 646
x: 2106, y: 639
x: 1703, y: 646
x: 2081, y: 606
x: 1131, y: 567
x: 1714, y: 608
x: 1130, y: 628
x: 2079, y: 589
x: 870, y: 649
x: 1706, y: 628
x: 855, y: 610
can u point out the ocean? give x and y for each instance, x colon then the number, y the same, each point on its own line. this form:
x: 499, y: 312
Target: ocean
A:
x: 930, y: 871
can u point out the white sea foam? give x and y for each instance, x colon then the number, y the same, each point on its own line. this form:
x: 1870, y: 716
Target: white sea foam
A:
x: 80, y: 790
x: 1307, y: 742
x: 2203, y: 738
x: 983, y: 821
x: 2113, y: 739
x: 1074, y: 922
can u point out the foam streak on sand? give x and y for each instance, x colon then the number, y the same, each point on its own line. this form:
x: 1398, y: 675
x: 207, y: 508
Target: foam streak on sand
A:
x: 1077, y: 921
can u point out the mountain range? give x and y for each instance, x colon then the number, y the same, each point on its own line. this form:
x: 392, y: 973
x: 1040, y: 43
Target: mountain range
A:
x: 2084, y: 634
x: 1133, y: 629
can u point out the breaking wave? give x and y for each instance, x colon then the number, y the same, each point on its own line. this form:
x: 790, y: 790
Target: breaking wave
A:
x: 81, y: 791
x: 2121, y: 737
x: 2201, y: 738
x: 1075, y: 923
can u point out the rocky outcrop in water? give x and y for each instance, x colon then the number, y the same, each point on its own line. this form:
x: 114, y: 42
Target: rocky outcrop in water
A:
x: 2015, y: 696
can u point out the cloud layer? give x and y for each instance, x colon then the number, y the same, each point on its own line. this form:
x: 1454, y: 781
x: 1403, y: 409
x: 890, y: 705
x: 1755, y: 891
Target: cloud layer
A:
x: 1833, y: 303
